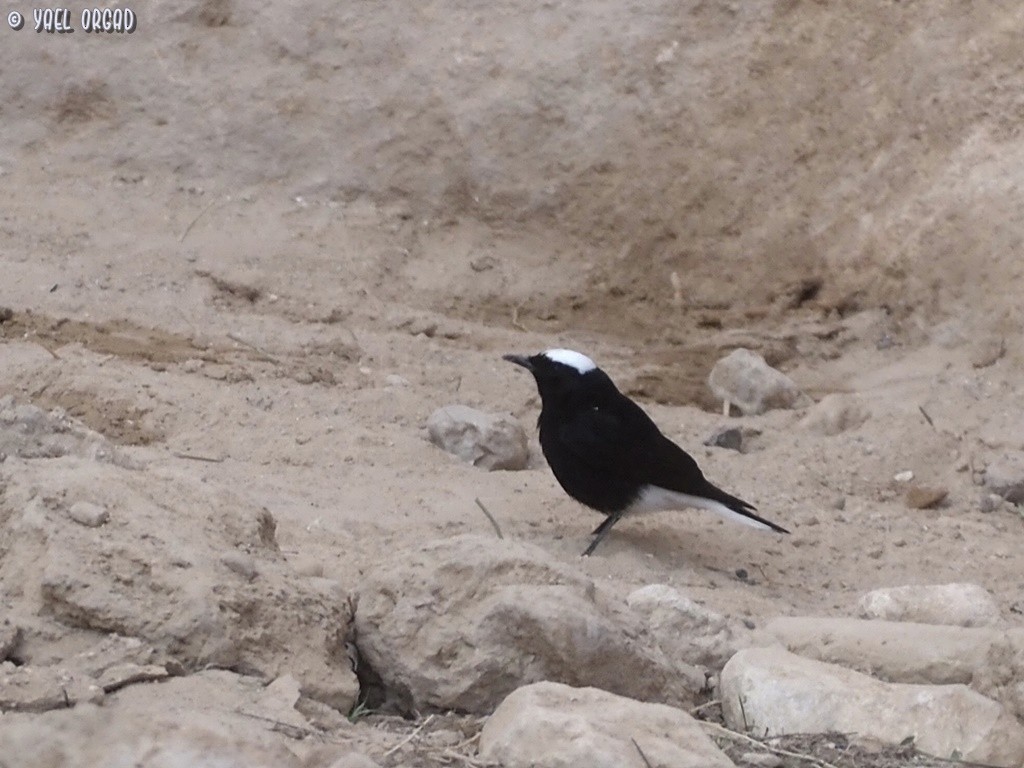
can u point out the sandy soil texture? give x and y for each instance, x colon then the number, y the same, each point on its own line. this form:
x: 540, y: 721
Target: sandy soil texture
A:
x: 253, y: 249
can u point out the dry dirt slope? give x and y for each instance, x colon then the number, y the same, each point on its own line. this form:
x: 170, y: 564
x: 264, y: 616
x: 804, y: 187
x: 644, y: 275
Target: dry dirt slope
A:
x: 279, y: 238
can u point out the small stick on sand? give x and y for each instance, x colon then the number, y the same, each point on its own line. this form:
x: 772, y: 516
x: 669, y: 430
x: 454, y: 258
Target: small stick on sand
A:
x: 497, y: 528
x: 197, y: 457
x: 926, y: 416
x: 193, y: 222
x: 730, y: 734
x: 642, y: 755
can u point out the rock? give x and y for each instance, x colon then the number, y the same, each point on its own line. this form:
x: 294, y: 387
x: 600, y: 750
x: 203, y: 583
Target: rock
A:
x: 10, y: 634
x: 834, y: 414
x: 241, y: 564
x: 898, y: 652
x: 924, y: 497
x: 987, y: 351
x: 550, y: 725
x: 38, y: 689
x: 30, y: 432
x: 1005, y: 476
x: 782, y: 694
x: 484, y: 440
x: 726, y: 437
x: 685, y: 630
x: 120, y: 675
x: 461, y: 623
x: 964, y: 605
x: 279, y: 699
x: 88, y: 514
x: 903, y: 477
x: 760, y: 760
x: 167, y: 584
x: 205, y: 720
x: 990, y: 502
x: 744, y: 378
x: 354, y: 760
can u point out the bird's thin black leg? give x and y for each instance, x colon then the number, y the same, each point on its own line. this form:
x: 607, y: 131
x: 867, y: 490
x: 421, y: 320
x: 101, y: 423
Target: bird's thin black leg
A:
x: 601, y: 531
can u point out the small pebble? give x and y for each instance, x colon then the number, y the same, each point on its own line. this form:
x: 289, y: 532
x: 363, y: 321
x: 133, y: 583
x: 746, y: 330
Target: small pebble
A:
x: 903, y: 477
x: 241, y: 564
x: 990, y: 502
x: 760, y: 760
x: 726, y: 437
x: 741, y: 574
x: 839, y: 503
x: 923, y: 497
x: 88, y: 514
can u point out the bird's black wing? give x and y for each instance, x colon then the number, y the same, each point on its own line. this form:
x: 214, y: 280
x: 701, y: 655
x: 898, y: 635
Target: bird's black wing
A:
x: 617, y: 436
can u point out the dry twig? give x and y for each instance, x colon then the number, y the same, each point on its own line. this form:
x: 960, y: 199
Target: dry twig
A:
x: 497, y: 528
x: 409, y: 738
x: 736, y: 735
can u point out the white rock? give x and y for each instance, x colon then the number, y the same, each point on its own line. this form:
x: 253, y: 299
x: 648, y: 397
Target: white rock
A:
x: 744, y: 378
x: 963, y: 605
x: 1005, y: 476
x: 782, y: 693
x: 550, y: 725
x: 484, y: 440
x: 88, y: 514
x: 903, y: 477
x: 898, y: 652
x: 685, y: 630
x: 354, y: 760
x: 461, y: 623
x: 834, y: 414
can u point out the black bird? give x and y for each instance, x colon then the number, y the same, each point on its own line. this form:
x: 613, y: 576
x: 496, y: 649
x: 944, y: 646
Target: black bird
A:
x: 608, y: 454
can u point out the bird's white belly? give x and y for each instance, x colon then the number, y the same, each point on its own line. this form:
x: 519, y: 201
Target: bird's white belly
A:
x: 654, y: 498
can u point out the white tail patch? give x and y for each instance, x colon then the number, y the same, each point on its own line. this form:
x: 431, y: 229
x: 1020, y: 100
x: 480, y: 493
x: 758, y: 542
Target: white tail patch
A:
x: 656, y: 499
x: 568, y: 357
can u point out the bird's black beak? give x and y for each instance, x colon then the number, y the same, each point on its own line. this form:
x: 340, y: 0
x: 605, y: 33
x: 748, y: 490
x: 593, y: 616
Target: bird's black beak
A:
x: 519, y: 360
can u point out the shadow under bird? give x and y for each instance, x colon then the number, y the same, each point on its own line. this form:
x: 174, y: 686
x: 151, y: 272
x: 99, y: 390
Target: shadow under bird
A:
x: 608, y: 454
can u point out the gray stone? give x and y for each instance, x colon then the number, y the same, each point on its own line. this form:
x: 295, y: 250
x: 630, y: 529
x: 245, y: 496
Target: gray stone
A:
x: 30, y: 432
x: 726, y: 437
x: 744, y: 379
x: 834, y: 414
x: 461, y: 623
x: 771, y: 691
x: 550, y: 725
x: 684, y: 629
x: 1004, y: 476
x: 964, y: 605
x: 88, y: 514
x: 484, y: 440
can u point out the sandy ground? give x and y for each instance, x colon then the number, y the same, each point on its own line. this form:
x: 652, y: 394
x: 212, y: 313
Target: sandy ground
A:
x: 261, y: 254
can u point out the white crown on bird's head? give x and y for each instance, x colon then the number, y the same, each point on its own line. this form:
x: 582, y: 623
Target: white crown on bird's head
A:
x: 571, y: 358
